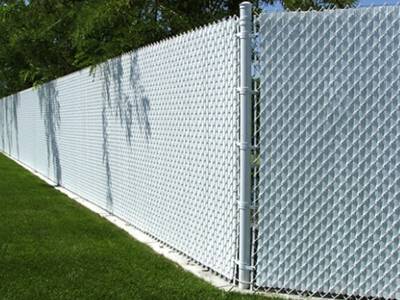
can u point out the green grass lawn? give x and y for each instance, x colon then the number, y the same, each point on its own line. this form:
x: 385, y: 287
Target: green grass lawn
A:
x: 53, y: 248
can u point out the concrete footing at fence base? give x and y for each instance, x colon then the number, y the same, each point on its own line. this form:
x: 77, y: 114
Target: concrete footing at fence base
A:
x: 160, y: 248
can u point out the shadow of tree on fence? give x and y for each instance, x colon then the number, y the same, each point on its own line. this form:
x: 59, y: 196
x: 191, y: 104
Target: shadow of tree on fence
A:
x: 50, y: 111
x: 140, y: 100
x: 11, y: 104
x: 106, y: 105
x: 119, y: 102
x: 2, y: 120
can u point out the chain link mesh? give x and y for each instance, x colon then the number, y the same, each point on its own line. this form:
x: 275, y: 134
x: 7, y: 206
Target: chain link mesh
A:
x: 150, y: 136
x: 327, y: 180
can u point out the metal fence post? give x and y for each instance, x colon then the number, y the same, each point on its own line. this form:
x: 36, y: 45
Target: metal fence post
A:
x: 245, y: 91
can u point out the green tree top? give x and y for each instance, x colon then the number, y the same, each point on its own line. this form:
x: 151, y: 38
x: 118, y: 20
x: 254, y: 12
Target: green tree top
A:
x: 45, y: 39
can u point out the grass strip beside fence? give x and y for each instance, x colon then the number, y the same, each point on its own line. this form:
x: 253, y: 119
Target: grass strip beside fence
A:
x: 53, y: 248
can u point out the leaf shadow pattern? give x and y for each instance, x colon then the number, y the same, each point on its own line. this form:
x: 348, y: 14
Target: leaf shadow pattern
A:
x: 106, y: 104
x: 11, y: 104
x: 120, y: 104
x: 50, y: 111
x: 141, y: 101
x: 2, y: 125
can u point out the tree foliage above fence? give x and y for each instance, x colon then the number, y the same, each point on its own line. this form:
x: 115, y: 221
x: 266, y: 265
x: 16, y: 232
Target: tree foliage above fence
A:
x: 45, y: 39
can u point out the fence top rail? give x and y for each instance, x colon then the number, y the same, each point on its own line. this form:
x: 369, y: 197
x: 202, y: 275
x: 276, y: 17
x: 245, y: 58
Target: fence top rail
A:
x: 333, y: 10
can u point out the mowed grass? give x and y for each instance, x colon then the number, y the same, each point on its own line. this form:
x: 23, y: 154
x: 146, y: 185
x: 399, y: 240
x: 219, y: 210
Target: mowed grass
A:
x: 53, y: 248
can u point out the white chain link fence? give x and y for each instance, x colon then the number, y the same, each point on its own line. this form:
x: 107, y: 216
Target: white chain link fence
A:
x: 328, y: 183
x: 150, y: 136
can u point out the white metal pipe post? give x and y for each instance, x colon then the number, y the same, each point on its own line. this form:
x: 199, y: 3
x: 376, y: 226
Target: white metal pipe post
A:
x: 244, y: 263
